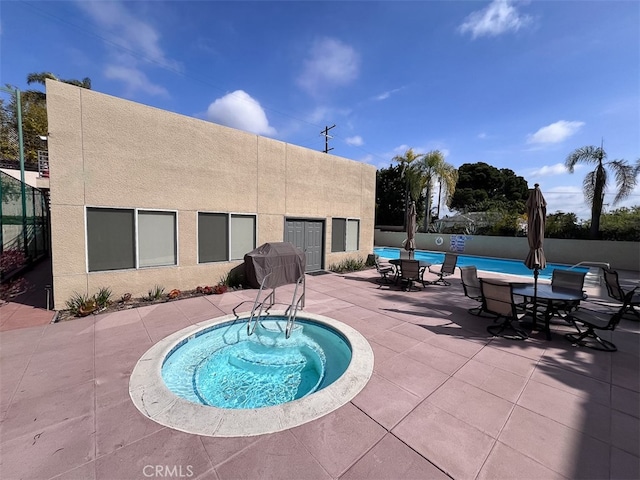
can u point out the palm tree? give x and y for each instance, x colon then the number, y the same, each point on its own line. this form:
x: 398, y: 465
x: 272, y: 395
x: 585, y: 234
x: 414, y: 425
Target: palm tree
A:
x: 411, y: 176
x: 432, y: 167
x: 595, y: 183
x: 41, y: 78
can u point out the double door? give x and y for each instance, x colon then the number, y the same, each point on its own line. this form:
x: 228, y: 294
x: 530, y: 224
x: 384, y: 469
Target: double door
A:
x: 308, y: 236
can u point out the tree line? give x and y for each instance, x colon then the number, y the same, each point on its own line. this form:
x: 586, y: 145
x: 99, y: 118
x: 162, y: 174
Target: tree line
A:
x: 502, y: 195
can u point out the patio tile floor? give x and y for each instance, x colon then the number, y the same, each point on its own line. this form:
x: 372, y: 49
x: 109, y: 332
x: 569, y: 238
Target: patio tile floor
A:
x: 445, y: 401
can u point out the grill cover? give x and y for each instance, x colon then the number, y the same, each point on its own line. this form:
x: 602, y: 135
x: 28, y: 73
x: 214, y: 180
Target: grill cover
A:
x: 283, y: 260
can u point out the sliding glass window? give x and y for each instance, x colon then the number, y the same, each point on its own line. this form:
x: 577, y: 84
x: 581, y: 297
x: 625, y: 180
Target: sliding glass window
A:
x: 345, y: 235
x: 223, y: 237
x: 111, y: 238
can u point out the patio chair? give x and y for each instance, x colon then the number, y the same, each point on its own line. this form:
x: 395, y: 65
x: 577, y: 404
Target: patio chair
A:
x: 590, y: 321
x: 385, y: 270
x: 410, y: 273
x: 570, y: 280
x: 497, y: 298
x: 629, y: 298
x: 471, y: 286
x: 446, y: 269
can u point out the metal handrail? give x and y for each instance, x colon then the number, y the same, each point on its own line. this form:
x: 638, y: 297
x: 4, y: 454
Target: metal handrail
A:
x: 592, y: 265
x: 292, y: 311
x: 260, y: 305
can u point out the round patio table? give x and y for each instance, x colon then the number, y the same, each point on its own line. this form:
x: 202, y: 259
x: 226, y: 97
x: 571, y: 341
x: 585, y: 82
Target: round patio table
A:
x: 423, y: 264
x: 547, y: 293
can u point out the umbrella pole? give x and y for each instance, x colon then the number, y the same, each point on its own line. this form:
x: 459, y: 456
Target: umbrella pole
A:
x: 535, y: 298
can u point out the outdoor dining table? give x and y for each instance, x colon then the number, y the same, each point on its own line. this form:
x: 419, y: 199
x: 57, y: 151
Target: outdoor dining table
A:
x: 547, y: 293
x: 423, y: 264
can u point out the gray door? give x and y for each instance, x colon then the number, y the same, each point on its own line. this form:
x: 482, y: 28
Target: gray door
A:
x: 308, y: 236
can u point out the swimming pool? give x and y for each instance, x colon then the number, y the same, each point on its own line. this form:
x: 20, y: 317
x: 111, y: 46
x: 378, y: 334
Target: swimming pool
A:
x: 490, y: 264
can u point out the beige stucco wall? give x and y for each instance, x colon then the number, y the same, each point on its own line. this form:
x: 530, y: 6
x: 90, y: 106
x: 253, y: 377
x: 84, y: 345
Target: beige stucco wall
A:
x: 109, y: 152
x: 619, y: 255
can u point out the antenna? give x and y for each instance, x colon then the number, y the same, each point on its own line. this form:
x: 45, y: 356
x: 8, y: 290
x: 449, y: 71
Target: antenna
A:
x: 326, y: 135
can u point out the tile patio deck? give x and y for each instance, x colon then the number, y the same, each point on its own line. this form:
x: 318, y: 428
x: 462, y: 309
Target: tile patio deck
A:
x: 445, y: 399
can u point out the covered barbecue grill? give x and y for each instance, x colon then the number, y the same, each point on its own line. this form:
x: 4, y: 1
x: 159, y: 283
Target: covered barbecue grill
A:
x: 268, y: 267
x: 280, y: 263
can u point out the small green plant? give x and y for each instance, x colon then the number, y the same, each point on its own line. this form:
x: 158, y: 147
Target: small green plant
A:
x: 231, y: 279
x: 103, y: 297
x: 155, y: 293
x: 80, y: 303
x: 348, y: 265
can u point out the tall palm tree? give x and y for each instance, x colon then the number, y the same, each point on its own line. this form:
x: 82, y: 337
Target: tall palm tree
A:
x: 411, y: 176
x: 431, y: 167
x: 595, y: 183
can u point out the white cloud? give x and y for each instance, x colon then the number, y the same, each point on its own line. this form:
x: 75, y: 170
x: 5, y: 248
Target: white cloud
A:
x: 330, y: 63
x: 548, y: 170
x: 239, y: 110
x: 387, y: 94
x: 500, y: 16
x: 482, y: 136
x: 133, y: 45
x: 134, y: 79
x: 555, y: 133
x: 355, y: 141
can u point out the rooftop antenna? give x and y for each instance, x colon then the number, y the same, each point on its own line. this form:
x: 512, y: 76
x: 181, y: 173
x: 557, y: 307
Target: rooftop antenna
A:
x: 325, y: 132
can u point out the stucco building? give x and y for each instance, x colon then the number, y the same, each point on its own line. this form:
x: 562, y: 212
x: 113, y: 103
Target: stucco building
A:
x: 143, y: 197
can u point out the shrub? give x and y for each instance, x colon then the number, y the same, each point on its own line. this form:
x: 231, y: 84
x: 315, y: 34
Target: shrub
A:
x: 155, y: 293
x: 348, y: 265
x: 103, y: 297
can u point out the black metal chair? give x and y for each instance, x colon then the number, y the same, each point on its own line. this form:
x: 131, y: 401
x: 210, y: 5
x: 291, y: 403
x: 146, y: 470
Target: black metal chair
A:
x: 471, y: 286
x: 590, y: 321
x: 629, y: 298
x: 570, y: 280
x: 447, y: 268
x: 410, y: 273
x: 497, y: 298
x: 385, y: 270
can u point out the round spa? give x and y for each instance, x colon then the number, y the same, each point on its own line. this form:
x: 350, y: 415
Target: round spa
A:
x: 214, y: 379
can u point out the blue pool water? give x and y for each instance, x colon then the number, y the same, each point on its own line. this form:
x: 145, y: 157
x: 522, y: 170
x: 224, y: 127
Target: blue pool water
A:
x: 224, y: 367
x: 498, y: 265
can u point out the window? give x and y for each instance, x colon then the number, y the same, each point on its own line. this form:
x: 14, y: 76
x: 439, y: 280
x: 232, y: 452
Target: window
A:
x: 157, y: 238
x: 223, y: 237
x: 112, y: 235
x: 338, y: 235
x: 111, y: 243
x: 345, y: 235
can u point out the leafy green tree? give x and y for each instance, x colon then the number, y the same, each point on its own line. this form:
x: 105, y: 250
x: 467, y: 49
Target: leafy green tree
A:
x: 596, y: 182
x: 563, y: 225
x: 482, y: 187
x: 431, y: 167
x: 34, y: 119
x: 622, y: 224
x: 390, y: 200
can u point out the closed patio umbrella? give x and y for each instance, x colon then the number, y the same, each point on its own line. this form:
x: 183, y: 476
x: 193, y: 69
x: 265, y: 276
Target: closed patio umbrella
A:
x: 410, y: 242
x: 536, y: 218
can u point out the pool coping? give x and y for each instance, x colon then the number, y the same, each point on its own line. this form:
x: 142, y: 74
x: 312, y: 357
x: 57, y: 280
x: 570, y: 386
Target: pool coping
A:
x: 153, y: 398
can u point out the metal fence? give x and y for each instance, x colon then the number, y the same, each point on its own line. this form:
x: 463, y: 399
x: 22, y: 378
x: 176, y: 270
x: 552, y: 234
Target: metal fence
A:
x: 24, y: 210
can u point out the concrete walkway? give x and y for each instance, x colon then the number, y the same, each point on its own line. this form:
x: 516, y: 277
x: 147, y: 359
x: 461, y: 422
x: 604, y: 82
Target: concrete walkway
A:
x: 445, y: 400
x: 29, y: 309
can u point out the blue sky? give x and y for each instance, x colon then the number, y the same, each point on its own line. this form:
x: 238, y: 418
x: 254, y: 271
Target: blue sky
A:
x: 517, y: 85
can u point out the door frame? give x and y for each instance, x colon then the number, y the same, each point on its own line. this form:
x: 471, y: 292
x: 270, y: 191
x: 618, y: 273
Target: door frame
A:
x: 322, y: 221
